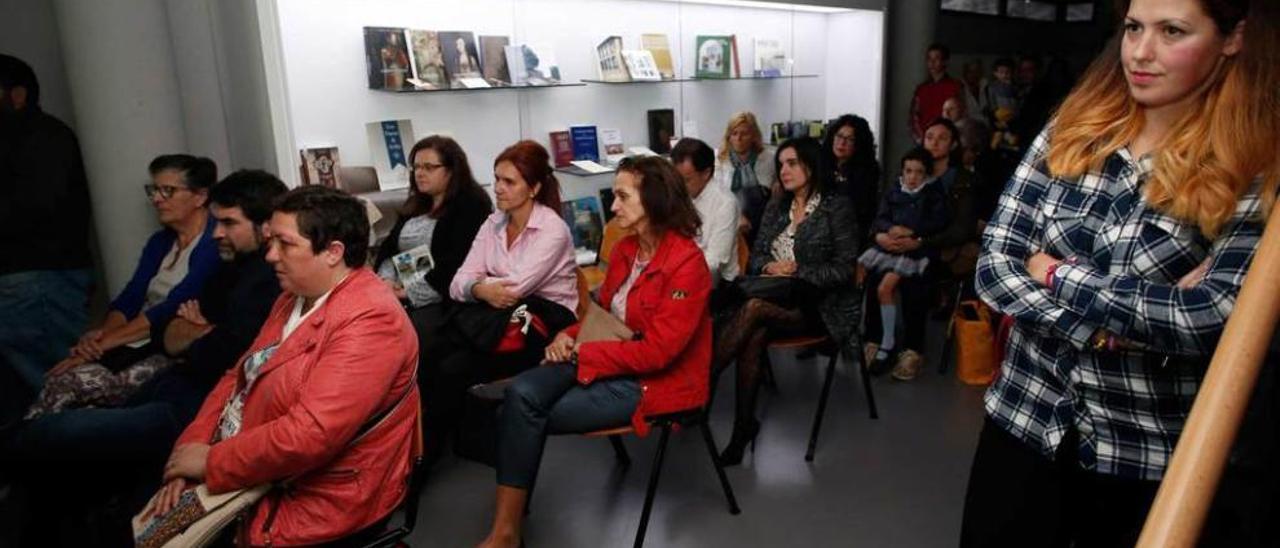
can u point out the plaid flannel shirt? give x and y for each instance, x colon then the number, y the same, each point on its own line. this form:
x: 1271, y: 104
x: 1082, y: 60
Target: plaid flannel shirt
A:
x: 1129, y: 406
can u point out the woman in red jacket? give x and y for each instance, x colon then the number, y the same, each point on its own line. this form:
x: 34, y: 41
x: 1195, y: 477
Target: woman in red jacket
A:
x: 324, y: 398
x: 658, y: 283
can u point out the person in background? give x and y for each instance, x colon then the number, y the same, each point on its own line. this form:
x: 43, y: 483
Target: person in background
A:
x: 44, y: 238
x: 175, y: 264
x: 1119, y: 248
x: 695, y: 162
x: 443, y: 213
x: 974, y: 135
x: 857, y: 173
x: 659, y: 285
x: 522, y: 255
x: 914, y: 208
x: 974, y: 83
x: 745, y: 168
x: 343, y: 437
x: 68, y: 450
x: 926, y: 102
x: 1000, y: 92
x: 808, y: 233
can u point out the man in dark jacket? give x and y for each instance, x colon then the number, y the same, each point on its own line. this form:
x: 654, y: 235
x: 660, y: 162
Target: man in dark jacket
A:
x: 44, y: 228
x: 206, y: 337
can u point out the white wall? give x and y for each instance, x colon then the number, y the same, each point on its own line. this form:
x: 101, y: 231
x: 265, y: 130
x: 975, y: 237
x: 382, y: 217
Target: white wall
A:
x: 29, y: 31
x: 322, y: 89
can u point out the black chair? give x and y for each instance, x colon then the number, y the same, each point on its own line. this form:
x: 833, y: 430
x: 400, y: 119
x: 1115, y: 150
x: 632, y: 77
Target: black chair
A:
x: 394, y: 536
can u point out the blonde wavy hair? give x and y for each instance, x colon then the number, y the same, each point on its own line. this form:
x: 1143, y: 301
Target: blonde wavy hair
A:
x: 1210, y: 157
x: 744, y: 118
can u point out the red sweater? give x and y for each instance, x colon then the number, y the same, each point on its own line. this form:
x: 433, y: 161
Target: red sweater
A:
x: 668, y: 306
x: 926, y: 104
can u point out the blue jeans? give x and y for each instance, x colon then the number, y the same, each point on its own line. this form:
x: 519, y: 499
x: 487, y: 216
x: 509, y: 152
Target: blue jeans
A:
x: 548, y: 400
x: 42, y: 314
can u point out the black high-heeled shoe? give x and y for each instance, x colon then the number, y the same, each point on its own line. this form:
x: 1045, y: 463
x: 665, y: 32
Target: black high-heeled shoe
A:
x: 743, y: 435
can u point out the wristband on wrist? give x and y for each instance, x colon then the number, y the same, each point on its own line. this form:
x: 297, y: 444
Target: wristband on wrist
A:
x: 1049, y: 274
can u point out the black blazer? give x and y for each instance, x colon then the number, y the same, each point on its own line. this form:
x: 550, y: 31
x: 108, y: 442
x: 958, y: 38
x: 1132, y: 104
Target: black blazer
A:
x: 455, y: 231
x: 826, y: 248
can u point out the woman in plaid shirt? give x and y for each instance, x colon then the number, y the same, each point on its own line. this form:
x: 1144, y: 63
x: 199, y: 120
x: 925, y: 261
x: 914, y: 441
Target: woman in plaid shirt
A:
x: 1119, y: 247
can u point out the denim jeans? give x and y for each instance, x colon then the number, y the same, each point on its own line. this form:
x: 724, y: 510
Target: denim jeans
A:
x: 42, y: 314
x: 548, y: 400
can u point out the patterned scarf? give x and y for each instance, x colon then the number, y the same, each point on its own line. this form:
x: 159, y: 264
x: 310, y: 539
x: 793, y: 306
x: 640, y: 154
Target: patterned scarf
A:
x: 744, y: 171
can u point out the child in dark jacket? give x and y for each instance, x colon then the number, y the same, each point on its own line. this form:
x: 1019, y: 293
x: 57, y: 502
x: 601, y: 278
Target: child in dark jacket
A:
x: 915, y: 208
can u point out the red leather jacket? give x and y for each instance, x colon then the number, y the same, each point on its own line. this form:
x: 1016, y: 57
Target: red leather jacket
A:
x: 353, y: 358
x: 668, y: 306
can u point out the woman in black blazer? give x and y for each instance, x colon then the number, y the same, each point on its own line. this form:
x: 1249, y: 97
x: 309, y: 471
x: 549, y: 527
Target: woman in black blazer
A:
x: 808, y: 232
x: 445, y: 209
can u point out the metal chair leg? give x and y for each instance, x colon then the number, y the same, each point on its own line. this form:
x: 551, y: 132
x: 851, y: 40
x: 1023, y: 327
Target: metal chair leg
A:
x: 715, y: 460
x: 620, y: 450
x: 822, y: 407
x: 951, y: 329
x: 866, y: 385
x: 653, y: 484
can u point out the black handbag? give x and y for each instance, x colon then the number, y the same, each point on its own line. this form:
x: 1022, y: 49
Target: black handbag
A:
x: 779, y: 290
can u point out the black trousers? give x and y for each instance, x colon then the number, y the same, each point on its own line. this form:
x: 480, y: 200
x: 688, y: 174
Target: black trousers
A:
x: 1018, y: 497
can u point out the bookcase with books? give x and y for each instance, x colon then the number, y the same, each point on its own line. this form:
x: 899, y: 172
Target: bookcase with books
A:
x: 592, y: 80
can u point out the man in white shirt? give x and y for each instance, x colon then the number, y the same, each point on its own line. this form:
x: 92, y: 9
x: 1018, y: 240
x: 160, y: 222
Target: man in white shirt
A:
x: 716, y: 207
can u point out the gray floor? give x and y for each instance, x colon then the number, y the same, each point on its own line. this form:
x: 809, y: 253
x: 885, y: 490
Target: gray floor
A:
x: 897, y: 482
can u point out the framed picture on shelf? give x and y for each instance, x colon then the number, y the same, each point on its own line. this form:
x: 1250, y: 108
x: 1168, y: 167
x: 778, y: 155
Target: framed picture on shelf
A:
x: 461, y: 59
x: 587, y: 226
x: 387, y: 58
x: 983, y: 7
x: 428, y: 59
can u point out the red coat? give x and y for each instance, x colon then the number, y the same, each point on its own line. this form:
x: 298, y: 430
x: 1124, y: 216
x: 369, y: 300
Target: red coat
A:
x: 668, y: 305
x: 351, y: 359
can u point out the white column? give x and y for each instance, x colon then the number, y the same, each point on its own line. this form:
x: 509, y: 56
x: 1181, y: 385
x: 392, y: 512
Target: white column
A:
x: 124, y: 90
x: 911, y: 29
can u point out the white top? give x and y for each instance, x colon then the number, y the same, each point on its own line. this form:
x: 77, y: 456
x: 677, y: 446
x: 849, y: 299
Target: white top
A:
x: 618, y: 306
x: 764, y: 170
x: 718, y: 237
x: 171, y: 272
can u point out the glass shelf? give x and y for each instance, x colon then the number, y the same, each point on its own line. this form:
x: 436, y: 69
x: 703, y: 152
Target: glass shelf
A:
x: 673, y: 80
x: 494, y: 88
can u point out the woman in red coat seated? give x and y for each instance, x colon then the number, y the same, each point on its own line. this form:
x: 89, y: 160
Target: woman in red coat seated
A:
x: 325, y: 396
x: 658, y: 284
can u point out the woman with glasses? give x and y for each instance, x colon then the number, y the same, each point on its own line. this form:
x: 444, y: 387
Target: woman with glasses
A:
x: 857, y: 173
x: 174, y: 266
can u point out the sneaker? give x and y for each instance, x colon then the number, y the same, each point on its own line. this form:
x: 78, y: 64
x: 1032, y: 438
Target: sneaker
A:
x: 881, y: 362
x: 908, y: 365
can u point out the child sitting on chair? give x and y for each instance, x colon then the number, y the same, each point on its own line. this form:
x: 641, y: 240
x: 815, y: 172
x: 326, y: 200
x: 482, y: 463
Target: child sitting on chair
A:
x: 914, y: 209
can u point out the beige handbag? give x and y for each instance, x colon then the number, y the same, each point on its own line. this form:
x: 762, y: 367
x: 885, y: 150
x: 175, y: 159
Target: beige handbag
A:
x: 599, y: 325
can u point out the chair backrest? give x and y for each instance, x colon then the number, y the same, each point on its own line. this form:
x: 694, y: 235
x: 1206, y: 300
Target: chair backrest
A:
x: 584, y: 292
x: 744, y: 253
x: 358, y: 179
x: 613, y: 233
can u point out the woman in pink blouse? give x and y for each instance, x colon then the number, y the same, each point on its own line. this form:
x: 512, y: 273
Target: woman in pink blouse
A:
x: 521, y: 257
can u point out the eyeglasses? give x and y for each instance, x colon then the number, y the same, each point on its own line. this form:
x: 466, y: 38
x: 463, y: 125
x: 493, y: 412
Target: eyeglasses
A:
x: 165, y: 191
x: 844, y: 139
x: 427, y: 166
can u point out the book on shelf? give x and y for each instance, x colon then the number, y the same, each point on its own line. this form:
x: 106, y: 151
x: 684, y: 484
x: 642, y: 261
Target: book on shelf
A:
x: 427, y: 59
x: 473, y: 82
x: 561, y: 148
x: 609, y: 60
x: 771, y: 58
x: 461, y: 60
x: 585, y: 144
x: 389, y: 143
x: 658, y: 46
x: 588, y: 167
x: 611, y: 140
x: 532, y: 65
x: 320, y: 166
x: 387, y: 58
x: 640, y: 65
x: 583, y: 215
x: 733, y: 43
x: 662, y: 129
x: 493, y: 60
x: 715, y: 57
x: 816, y: 129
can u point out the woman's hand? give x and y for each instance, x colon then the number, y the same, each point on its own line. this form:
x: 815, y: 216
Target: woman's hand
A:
x: 899, y: 231
x: 166, y: 498
x: 498, y: 293
x: 187, y: 461
x: 1038, y: 266
x: 560, y: 349
x: 780, y: 268
x: 71, y: 362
